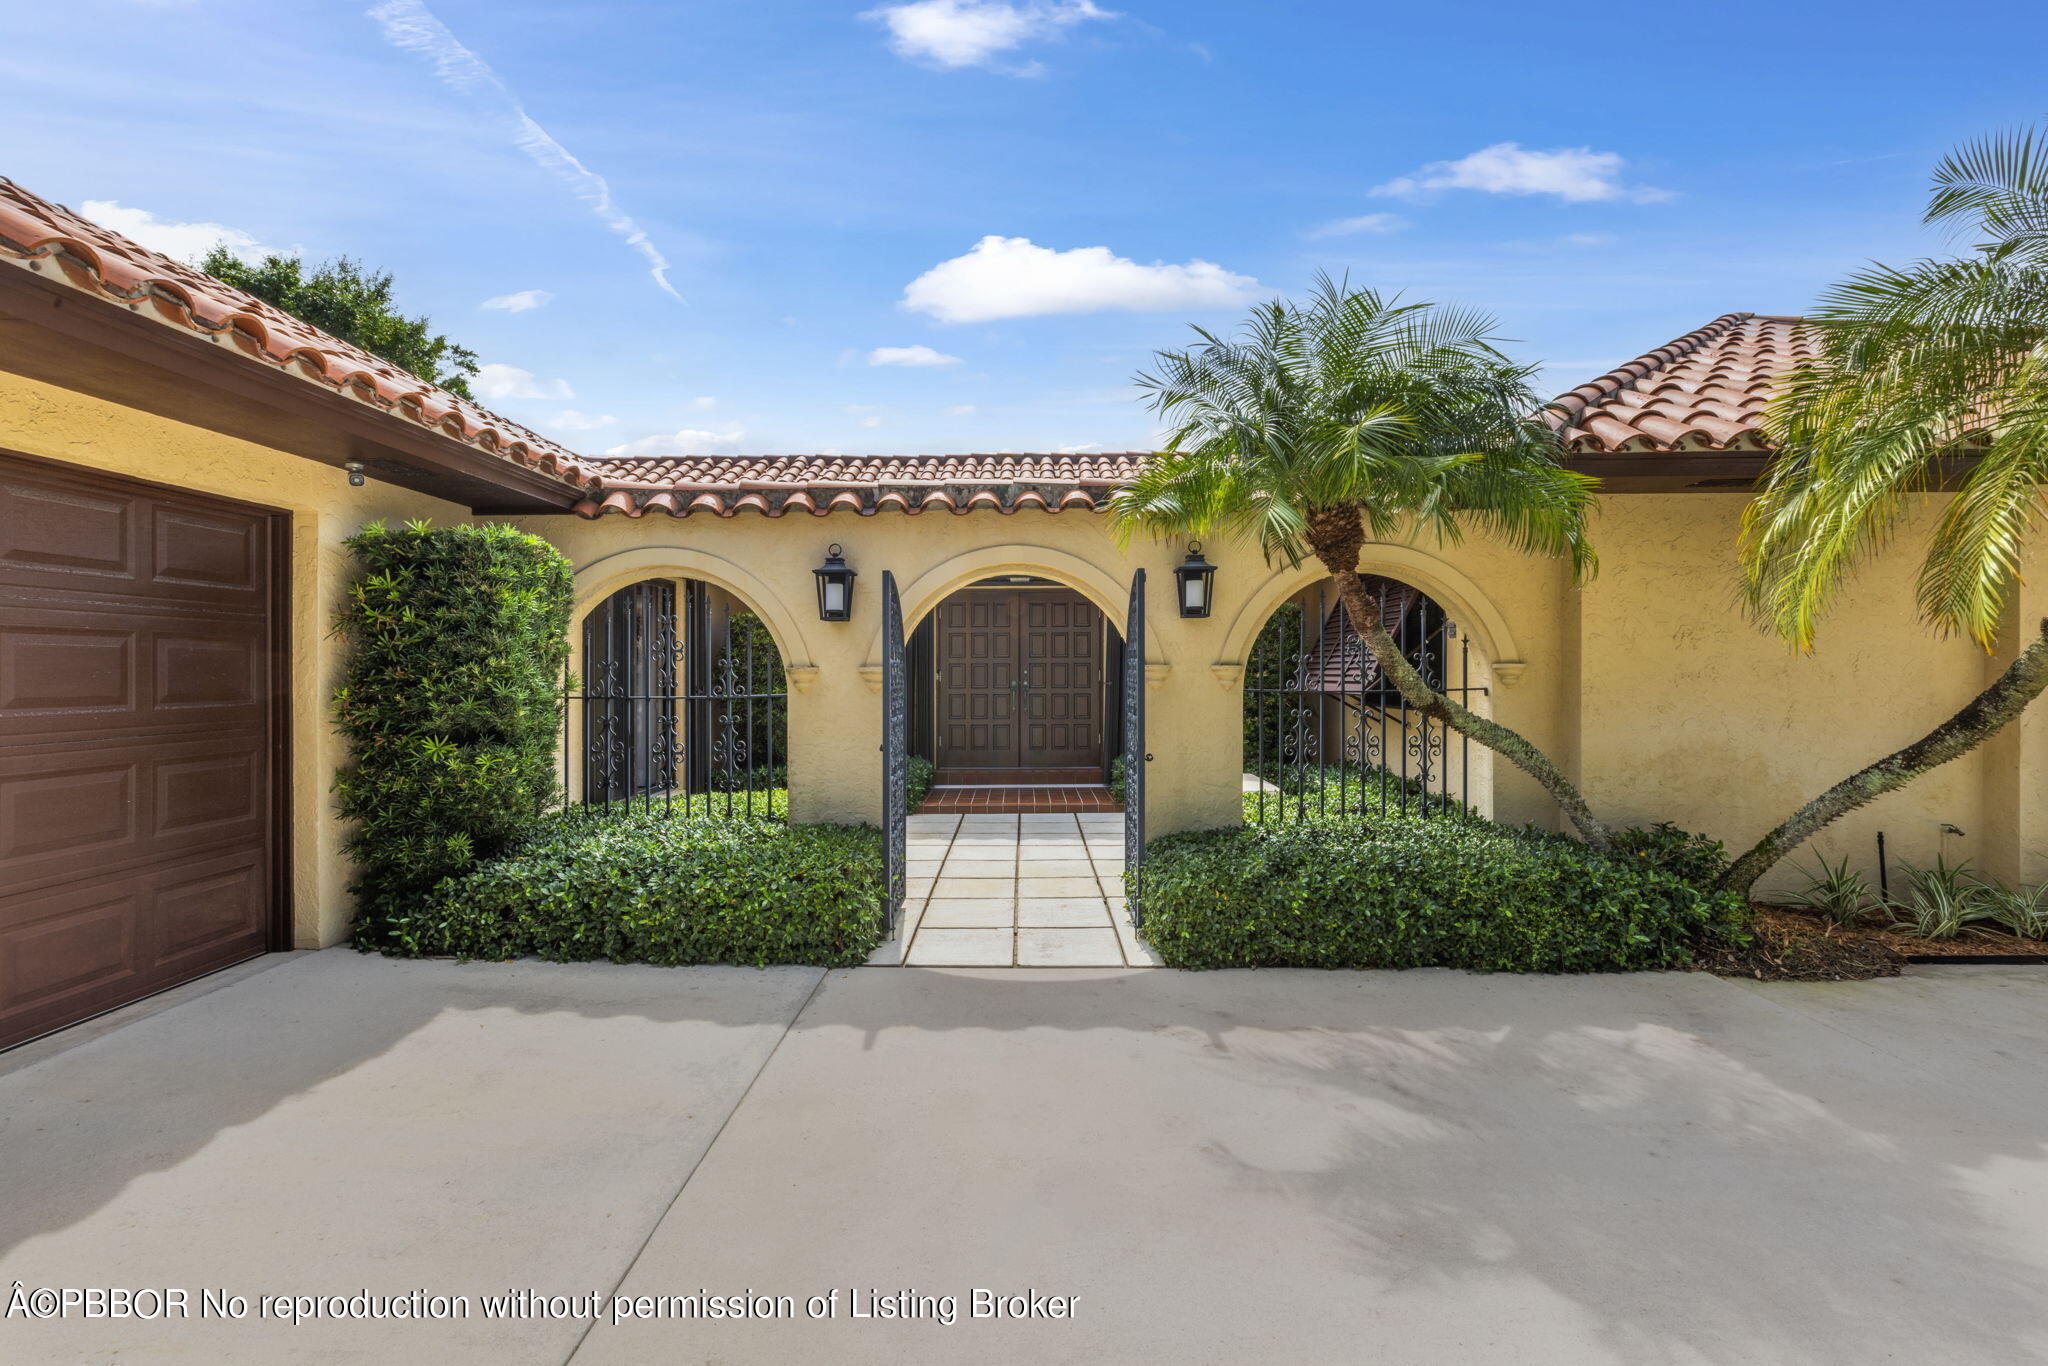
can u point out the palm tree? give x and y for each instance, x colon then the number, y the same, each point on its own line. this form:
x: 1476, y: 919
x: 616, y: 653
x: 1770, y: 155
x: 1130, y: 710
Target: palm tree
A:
x: 1930, y: 376
x: 1349, y: 414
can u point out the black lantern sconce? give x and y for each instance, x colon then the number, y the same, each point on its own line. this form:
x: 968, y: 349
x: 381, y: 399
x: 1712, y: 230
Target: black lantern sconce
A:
x: 835, y: 587
x: 1195, y: 583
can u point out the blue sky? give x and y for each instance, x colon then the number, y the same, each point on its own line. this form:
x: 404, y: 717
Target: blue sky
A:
x: 947, y: 225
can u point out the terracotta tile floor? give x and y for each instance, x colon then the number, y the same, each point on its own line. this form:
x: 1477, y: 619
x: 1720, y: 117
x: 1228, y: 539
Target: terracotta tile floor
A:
x: 1035, y: 890
x: 946, y: 801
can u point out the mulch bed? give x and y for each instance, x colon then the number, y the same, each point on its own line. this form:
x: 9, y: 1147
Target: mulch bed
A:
x: 1797, y: 946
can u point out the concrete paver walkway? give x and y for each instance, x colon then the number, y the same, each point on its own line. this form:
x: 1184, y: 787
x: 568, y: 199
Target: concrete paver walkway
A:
x: 1035, y: 891
x: 1407, y: 1169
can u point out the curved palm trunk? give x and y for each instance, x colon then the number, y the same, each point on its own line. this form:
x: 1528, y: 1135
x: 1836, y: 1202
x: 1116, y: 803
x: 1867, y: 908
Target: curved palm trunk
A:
x: 1337, y: 538
x: 1952, y: 739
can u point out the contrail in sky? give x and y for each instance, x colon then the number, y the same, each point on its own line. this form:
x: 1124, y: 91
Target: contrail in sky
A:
x: 409, y: 24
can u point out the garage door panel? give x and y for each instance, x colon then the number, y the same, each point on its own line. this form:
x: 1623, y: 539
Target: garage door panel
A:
x: 138, y: 741
x: 208, y: 910
x: 56, y: 532
x: 194, y: 551
x: 69, y: 810
x: 66, y: 946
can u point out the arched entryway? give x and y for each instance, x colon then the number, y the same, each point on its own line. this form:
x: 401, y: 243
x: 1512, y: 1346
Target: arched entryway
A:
x: 1013, y: 684
x: 1326, y: 732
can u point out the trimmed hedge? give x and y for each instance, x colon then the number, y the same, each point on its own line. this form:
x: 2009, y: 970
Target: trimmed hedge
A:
x: 450, y: 703
x: 653, y: 887
x: 1401, y: 892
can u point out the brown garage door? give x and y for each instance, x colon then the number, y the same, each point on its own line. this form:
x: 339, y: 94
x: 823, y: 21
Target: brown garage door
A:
x: 140, y: 734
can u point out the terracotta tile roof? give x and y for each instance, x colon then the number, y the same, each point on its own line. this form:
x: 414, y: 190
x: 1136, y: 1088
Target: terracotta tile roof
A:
x: 775, y: 485
x: 1704, y: 392
x: 36, y: 234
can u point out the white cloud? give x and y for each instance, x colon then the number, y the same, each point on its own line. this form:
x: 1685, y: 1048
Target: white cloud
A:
x: 495, y: 382
x: 1364, y: 223
x: 689, y: 441
x: 962, y: 410
x: 519, y: 302
x: 1573, y: 174
x: 410, y: 25
x: 184, y: 241
x: 910, y: 355
x: 569, y: 420
x: 871, y: 422
x: 961, y: 33
x: 1012, y: 277
x: 706, y: 402
x: 1088, y: 449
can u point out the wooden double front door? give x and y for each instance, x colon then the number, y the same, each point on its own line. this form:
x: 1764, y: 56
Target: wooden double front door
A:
x: 1019, y: 680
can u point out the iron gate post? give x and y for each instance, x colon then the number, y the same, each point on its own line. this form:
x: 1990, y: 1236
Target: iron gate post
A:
x: 1135, y: 757
x: 895, y: 755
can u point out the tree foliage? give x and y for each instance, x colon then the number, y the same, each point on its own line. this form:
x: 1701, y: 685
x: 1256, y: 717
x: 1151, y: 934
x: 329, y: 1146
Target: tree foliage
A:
x: 1351, y: 414
x: 1919, y: 366
x: 451, y: 704
x: 342, y: 298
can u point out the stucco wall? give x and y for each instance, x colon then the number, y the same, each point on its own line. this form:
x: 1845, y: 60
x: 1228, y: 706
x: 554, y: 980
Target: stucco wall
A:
x: 1194, y: 666
x: 1648, y: 683
x: 1690, y: 714
x: 57, y: 424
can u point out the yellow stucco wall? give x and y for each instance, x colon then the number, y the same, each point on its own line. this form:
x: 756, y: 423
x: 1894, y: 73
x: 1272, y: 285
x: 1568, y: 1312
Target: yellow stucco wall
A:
x: 1648, y: 684
x: 58, y: 424
x: 1690, y: 714
x: 1194, y: 666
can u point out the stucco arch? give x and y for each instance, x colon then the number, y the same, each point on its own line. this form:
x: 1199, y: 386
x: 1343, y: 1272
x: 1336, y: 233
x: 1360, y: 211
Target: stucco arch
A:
x: 1460, y: 596
x: 600, y: 578
x: 923, y: 594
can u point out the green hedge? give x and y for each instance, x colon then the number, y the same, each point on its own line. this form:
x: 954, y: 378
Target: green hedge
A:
x: 450, y: 703
x: 650, y: 886
x: 1401, y: 892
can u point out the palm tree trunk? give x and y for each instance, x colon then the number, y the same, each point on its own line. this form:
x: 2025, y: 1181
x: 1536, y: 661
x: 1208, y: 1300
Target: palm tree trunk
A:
x: 1337, y: 537
x: 1952, y: 739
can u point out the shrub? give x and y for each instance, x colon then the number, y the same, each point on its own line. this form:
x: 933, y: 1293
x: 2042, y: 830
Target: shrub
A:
x: 1687, y: 857
x: 1402, y: 892
x: 2023, y: 912
x: 918, y: 780
x: 1942, y: 900
x: 1334, y: 791
x: 648, y: 886
x: 450, y: 702
x: 1116, y: 779
x: 1837, y: 891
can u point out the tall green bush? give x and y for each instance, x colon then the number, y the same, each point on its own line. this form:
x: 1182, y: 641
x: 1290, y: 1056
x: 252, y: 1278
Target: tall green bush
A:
x: 450, y: 703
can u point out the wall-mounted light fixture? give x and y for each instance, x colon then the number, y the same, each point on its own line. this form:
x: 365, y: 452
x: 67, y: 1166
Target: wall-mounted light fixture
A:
x: 355, y: 473
x: 835, y: 587
x: 1195, y: 583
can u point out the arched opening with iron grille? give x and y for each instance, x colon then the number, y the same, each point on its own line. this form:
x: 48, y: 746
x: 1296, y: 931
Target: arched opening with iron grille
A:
x: 1326, y: 733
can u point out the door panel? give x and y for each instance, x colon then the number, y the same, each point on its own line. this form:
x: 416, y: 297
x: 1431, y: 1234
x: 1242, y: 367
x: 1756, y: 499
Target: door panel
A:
x: 1020, y: 681
x: 140, y: 735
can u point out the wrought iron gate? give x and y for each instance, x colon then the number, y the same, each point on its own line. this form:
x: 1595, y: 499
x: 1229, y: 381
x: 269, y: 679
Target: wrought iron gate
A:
x: 895, y: 755
x: 1135, y: 757
x: 1326, y: 733
x: 676, y: 710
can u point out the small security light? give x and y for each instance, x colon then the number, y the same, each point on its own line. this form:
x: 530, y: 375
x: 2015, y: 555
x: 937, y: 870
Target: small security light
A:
x: 355, y: 473
x: 1195, y: 583
x: 835, y: 587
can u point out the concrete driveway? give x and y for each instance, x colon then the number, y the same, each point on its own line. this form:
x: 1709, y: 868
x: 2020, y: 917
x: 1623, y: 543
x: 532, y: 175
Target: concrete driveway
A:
x: 1378, y: 1168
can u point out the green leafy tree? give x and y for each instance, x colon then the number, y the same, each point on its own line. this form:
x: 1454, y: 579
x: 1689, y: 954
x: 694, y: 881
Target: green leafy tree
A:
x: 345, y: 300
x: 1931, y: 375
x: 451, y: 704
x: 1349, y: 414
